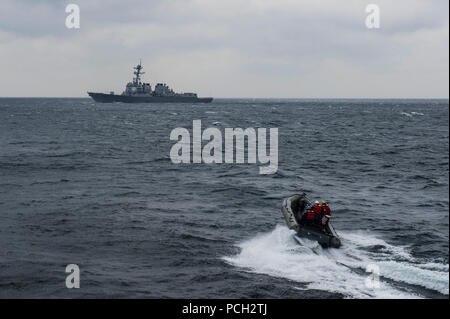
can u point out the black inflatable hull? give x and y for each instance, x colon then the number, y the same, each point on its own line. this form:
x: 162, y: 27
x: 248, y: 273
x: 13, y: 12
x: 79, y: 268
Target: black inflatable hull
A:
x: 323, y: 239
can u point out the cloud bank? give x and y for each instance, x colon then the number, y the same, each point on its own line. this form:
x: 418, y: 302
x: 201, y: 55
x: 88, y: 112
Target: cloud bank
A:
x: 233, y: 48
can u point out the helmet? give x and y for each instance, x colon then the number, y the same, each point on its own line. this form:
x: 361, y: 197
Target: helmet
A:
x: 316, y: 202
x: 324, y: 202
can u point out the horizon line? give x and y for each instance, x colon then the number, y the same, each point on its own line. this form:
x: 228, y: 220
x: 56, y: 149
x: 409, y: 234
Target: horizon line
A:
x: 246, y: 97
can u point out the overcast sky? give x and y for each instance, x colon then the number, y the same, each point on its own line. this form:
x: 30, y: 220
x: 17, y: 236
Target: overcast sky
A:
x: 228, y: 48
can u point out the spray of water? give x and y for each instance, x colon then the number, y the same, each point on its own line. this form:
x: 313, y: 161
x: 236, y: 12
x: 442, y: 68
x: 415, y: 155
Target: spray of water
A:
x: 342, y: 270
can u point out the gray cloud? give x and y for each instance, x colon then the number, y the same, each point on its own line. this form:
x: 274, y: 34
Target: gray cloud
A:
x: 265, y: 48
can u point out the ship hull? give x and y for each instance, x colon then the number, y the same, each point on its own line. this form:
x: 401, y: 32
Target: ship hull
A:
x: 110, y: 98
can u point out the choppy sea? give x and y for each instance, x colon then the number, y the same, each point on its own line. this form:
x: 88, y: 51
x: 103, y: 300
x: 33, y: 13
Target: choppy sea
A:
x: 93, y: 185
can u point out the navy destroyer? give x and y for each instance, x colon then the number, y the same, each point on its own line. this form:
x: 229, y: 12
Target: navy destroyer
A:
x: 140, y: 92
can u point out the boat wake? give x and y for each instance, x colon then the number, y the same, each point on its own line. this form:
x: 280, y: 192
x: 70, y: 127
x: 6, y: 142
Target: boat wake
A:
x: 342, y: 270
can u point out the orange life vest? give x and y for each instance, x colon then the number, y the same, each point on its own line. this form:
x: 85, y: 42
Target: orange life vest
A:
x: 310, y: 214
x: 317, y: 210
x: 326, y: 210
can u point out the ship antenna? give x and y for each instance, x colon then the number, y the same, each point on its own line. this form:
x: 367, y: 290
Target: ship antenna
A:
x: 138, y: 72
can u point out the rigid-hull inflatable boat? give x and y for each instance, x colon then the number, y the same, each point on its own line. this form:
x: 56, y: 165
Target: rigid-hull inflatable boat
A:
x: 293, y: 210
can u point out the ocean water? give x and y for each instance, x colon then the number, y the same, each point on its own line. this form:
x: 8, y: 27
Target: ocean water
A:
x: 93, y: 185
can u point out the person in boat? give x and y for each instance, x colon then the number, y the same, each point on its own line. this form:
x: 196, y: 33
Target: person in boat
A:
x: 317, y: 211
x: 308, y: 217
x: 325, y: 213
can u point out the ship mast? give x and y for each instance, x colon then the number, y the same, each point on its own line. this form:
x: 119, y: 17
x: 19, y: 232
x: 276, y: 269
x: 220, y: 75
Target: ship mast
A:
x: 138, y: 73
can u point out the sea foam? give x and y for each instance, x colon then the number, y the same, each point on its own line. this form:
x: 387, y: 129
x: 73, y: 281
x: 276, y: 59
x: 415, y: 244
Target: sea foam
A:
x: 342, y: 270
